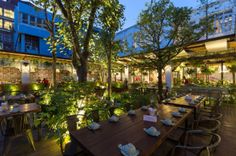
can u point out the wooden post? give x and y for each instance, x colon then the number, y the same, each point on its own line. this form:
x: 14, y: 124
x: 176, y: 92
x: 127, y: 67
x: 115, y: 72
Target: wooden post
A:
x: 222, y: 73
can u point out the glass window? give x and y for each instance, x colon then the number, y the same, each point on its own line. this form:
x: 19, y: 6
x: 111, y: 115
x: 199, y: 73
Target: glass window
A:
x: 32, y: 20
x: 44, y: 24
x: 39, y: 22
x: 1, y: 37
x: 1, y: 11
x: 7, y: 38
x: 8, y: 25
x: 8, y: 13
x: 31, y: 42
x: 1, y: 23
x: 25, y: 18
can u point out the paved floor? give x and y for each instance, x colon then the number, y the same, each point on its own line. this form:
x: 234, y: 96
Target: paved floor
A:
x: 49, y: 147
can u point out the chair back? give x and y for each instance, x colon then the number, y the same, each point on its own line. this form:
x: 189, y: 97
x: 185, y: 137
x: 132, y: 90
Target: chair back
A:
x: 19, y: 123
x: 215, y: 141
x: 72, y: 121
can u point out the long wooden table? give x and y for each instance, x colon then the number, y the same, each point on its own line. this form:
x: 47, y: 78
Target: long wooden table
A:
x: 181, y: 102
x: 23, y: 109
x: 129, y: 129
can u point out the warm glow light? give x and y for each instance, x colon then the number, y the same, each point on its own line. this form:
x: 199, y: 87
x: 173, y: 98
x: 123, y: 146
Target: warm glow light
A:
x: 225, y: 69
x: 218, y: 45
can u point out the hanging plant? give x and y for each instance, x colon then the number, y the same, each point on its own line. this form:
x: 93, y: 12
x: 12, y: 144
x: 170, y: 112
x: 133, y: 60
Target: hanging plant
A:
x: 191, y: 71
x: 47, y: 64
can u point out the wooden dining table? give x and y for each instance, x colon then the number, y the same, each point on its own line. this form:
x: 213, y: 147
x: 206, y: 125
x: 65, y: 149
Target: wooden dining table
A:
x: 22, y: 109
x: 181, y: 102
x: 129, y: 129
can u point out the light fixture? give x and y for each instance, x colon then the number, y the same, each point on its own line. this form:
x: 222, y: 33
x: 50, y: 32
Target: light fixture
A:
x: 218, y: 45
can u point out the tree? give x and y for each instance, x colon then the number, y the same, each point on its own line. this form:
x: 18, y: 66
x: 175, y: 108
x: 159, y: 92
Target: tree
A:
x: 77, y: 30
x: 111, y: 20
x: 164, y: 31
x: 206, y: 20
x: 232, y: 69
x: 50, y: 26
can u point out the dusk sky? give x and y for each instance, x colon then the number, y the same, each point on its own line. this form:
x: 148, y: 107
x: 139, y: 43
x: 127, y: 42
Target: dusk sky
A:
x: 134, y: 7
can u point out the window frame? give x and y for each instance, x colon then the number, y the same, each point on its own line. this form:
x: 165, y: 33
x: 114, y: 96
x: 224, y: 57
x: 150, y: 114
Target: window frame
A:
x: 10, y: 13
x: 33, y: 22
x: 23, y: 20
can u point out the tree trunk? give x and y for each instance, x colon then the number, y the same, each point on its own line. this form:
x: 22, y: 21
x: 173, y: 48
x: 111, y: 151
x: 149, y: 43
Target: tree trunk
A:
x: 54, y: 77
x: 160, y: 85
x: 81, y: 66
x: 83, y: 70
x: 233, y: 74
x: 54, y: 50
x: 109, y: 77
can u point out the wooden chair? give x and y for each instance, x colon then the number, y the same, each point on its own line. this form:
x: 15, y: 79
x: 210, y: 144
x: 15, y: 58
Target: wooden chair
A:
x: 196, y: 144
x: 72, y: 148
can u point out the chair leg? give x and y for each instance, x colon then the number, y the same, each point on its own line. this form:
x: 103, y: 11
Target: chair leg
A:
x: 6, y: 145
x: 30, y: 138
x: 39, y: 131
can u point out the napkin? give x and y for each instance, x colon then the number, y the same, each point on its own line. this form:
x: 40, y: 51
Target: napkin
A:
x: 167, y: 122
x: 152, y: 111
x: 131, y: 112
x: 114, y: 118
x: 144, y: 107
x: 128, y: 150
x: 187, y: 97
x: 182, y: 110
x: 176, y: 114
x: 94, y: 126
x: 192, y: 102
x: 152, y: 131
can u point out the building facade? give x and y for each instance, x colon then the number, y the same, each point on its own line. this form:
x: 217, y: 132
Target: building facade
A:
x: 30, y: 33
x: 7, y: 24
x: 217, y: 42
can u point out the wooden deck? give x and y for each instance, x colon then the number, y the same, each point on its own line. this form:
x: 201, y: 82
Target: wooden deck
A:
x: 228, y: 132
x: 49, y: 147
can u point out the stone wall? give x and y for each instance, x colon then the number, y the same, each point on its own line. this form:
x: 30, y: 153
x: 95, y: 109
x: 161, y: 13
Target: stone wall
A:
x: 10, y: 75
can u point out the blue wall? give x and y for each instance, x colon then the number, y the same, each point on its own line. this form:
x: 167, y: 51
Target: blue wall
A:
x: 23, y: 29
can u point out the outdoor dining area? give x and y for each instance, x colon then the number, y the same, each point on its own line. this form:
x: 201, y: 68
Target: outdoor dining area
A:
x: 183, y: 123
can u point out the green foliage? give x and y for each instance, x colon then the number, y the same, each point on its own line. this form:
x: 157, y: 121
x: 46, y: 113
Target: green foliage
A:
x: 207, y: 70
x: 191, y: 71
x: 67, y: 99
x: 164, y: 30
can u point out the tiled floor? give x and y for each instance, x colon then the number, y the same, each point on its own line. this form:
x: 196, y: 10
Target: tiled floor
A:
x: 50, y: 148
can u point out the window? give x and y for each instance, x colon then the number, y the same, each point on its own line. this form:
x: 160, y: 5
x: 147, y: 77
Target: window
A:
x: 39, y: 22
x: 7, y: 38
x: 1, y: 37
x: 25, y: 18
x: 31, y: 42
x: 8, y: 25
x: 1, y: 23
x: 1, y: 11
x: 8, y: 13
x: 44, y: 24
x: 32, y: 20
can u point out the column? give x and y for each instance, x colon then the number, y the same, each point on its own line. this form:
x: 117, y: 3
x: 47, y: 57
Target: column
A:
x: 222, y: 72
x: 168, y: 72
x: 22, y: 43
x: 25, y: 72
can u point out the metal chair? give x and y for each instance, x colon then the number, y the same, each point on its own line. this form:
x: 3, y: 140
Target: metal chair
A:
x: 20, y: 126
